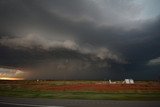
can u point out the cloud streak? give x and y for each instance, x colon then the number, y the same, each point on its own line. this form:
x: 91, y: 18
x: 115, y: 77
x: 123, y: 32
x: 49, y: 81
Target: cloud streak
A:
x: 155, y: 61
x: 34, y: 41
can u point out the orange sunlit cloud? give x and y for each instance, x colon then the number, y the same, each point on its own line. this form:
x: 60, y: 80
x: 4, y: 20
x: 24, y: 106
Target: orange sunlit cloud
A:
x: 11, y: 74
x: 8, y: 78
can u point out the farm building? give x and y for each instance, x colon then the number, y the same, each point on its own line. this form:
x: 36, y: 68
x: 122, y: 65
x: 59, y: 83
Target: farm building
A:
x: 128, y: 81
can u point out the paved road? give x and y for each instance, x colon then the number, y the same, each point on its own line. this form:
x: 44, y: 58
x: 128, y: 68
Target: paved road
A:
x: 31, y: 102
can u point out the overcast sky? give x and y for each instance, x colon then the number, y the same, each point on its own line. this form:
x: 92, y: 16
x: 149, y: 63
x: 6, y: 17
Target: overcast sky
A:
x: 80, y: 39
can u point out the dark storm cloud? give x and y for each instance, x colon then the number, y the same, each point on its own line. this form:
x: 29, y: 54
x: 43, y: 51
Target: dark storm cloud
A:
x: 110, y: 36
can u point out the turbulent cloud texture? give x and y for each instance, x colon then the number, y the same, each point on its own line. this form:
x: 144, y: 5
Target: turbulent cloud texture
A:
x: 81, y: 39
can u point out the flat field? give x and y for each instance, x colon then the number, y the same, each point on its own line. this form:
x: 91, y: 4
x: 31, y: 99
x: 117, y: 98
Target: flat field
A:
x: 97, y: 90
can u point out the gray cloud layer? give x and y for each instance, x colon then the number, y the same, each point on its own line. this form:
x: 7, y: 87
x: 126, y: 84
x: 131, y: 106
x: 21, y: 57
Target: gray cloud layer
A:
x: 116, y: 37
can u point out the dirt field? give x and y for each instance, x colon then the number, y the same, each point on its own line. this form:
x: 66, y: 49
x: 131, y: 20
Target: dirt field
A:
x: 99, y: 86
x: 81, y: 89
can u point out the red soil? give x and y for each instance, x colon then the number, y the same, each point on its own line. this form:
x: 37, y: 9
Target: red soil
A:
x: 84, y: 86
x: 100, y: 87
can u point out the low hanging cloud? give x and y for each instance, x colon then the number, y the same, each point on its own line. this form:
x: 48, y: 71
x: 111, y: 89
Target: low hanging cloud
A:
x: 56, y: 58
x: 155, y: 61
x: 34, y: 41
